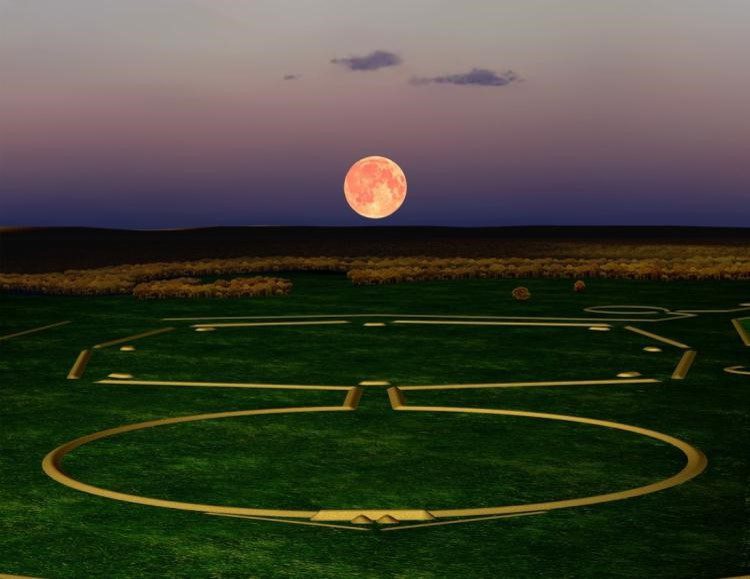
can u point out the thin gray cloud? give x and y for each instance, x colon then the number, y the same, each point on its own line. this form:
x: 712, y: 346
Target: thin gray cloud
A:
x: 475, y: 77
x: 373, y: 61
x: 292, y: 76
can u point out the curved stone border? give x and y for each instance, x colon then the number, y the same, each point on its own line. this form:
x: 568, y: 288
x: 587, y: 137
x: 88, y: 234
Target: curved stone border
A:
x: 695, y: 464
x: 737, y: 370
x: 695, y: 461
x: 52, y: 464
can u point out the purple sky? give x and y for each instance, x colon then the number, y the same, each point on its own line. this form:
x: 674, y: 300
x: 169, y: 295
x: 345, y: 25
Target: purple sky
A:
x: 172, y: 113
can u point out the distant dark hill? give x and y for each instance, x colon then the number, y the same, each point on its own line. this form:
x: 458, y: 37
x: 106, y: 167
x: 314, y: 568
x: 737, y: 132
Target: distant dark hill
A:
x: 50, y: 249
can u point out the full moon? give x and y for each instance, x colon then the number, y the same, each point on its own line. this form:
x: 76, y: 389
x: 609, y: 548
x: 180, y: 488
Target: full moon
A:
x: 375, y: 187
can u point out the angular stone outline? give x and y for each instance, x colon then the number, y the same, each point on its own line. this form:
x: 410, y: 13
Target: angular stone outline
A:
x: 741, y: 331
x: 531, y: 384
x: 251, y: 385
x: 257, y: 324
x: 33, y: 330
x: 683, y: 366
x: 658, y: 338
x: 494, y: 323
x: 132, y: 338
x: 591, y: 319
x: 79, y: 366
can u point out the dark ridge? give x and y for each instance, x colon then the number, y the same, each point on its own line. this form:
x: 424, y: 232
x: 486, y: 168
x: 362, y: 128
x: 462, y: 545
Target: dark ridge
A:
x: 40, y: 249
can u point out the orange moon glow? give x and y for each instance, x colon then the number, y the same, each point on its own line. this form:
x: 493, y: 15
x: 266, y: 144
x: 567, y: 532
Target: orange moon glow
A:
x: 375, y: 187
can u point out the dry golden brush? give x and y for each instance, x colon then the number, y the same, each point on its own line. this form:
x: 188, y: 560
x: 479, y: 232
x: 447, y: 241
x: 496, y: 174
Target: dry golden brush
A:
x: 188, y: 287
x: 124, y: 279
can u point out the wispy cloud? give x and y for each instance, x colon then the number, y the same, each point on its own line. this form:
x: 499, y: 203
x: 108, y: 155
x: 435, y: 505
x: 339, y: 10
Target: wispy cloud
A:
x: 475, y: 77
x: 292, y: 76
x: 373, y: 61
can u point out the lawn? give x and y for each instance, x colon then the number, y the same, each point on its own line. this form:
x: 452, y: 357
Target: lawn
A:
x: 375, y: 457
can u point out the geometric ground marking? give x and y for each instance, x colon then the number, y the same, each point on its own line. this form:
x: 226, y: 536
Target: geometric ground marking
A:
x: 630, y: 310
x: 79, y: 366
x: 658, y: 337
x: 81, y: 362
x: 460, y: 521
x: 126, y: 381
x: 543, y: 384
x: 683, y: 366
x: 132, y: 338
x: 362, y: 519
x: 669, y: 315
x: 685, y: 362
x: 32, y: 331
x: 745, y: 337
x: 260, y: 324
x: 741, y: 331
x: 589, y: 325
x: 694, y: 465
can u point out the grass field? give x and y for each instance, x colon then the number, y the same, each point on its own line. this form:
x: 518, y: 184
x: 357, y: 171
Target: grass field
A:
x: 375, y: 457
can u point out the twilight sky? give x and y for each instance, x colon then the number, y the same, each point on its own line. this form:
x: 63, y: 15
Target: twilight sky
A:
x: 173, y: 113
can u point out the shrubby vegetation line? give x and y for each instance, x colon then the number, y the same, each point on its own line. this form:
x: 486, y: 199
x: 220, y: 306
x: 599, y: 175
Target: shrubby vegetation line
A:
x: 191, y: 287
x: 124, y: 279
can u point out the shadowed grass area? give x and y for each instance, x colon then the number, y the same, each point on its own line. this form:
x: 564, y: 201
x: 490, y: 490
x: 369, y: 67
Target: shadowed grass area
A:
x: 374, y: 456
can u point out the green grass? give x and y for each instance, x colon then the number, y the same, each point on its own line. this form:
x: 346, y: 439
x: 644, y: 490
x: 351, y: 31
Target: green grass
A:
x: 413, y: 354
x: 375, y: 457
